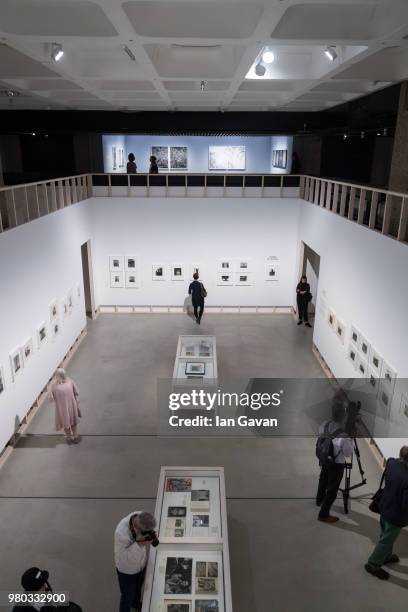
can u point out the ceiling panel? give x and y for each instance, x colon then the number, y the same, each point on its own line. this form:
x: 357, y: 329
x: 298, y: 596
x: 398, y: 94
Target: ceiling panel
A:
x: 217, y: 61
x: 121, y: 85
x: 196, y: 85
x: 14, y: 64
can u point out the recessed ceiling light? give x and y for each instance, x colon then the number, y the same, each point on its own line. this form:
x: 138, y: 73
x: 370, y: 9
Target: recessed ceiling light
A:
x: 260, y: 70
x: 268, y: 57
x: 330, y: 53
x: 129, y: 53
x: 57, y: 52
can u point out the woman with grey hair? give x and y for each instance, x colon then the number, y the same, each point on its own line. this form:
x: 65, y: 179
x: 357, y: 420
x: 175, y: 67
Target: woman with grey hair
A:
x: 65, y: 394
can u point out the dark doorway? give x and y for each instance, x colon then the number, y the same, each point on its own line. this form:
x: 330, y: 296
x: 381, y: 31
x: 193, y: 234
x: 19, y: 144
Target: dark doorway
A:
x: 88, y: 279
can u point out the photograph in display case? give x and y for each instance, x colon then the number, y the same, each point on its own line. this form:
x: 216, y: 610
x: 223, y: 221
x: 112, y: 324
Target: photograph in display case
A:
x: 206, y: 605
x: 117, y: 280
x: 178, y: 485
x: 159, y: 272
x: 42, y: 334
x: 195, y: 368
x: 271, y: 271
x: 206, y: 569
x: 200, y: 499
x: 174, y: 511
x: 115, y: 263
x: 2, y: 380
x: 201, y: 520
x: 204, y: 349
x: 206, y: 585
x: 16, y: 362
x: 162, y: 156
x: 178, y: 158
x: 181, y: 605
x: 27, y: 350
x: 178, y: 576
x: 175, y: 527
x: 177, y: 272
x: 226, y: 158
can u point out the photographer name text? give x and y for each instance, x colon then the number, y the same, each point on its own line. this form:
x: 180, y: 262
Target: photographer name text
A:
x: 217, y: 421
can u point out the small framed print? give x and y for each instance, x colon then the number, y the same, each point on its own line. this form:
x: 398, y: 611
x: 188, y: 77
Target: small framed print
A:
x: 331, y: 319
x: 352, y: 355
x: 70, y: 300
x: 225, y: 278
x: 55, y: 328
x: 225, y: 265
x: 388, y: 374
x: 177, y: 272
x: 243, y: 265
x: 42, y: 334
x: 195, y: 368
x: 243, y: 278
x: 78, y: 291
x: 116, y: 263
x: 362, y: 367
x: 355, y: 336
x: 271, y: 271
x: 385, y: 399
x: 16, y: 362
x: 184, y: 605
x: 27, y: 350
x: 2, y: 380
x: 374, y: 380
x: 117, y: 280
x: 365, y: 347
x: 131, y: 280
x: 53, y: 310
x: 340, y: 330
x: 159, y: 272
x: 64, y: 307
x: 403, y: 406
x: 130, y: 263
x: 376, y: 361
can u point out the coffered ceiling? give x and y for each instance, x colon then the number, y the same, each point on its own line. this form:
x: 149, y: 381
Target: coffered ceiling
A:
x: 198, y: 54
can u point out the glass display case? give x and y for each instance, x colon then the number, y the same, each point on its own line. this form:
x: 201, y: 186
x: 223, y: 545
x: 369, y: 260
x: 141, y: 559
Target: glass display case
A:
x: 196, y: 360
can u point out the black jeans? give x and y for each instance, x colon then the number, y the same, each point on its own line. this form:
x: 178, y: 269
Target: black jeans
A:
x: 302, y: 310
x: 329, y: 484
x: 130, y: 590
x: 196, y: 306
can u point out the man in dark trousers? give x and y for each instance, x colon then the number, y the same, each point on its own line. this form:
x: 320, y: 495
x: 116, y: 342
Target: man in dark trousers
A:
x: 198, y: 293
x: 333, y: 448
x: 394, y: 514
x: 303, y: 297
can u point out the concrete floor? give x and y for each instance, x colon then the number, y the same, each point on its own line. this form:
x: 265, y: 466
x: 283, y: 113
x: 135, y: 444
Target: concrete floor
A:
x: 59, y: 505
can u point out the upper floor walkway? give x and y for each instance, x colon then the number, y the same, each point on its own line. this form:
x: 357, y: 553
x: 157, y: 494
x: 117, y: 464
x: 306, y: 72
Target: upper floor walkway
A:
x: 382, y: 211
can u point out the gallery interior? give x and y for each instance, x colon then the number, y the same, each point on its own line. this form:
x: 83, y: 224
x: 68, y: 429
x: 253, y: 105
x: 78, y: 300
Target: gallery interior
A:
x: 280, y: 133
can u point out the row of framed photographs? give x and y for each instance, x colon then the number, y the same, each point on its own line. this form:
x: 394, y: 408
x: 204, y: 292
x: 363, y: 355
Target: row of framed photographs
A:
x: 21, y: 355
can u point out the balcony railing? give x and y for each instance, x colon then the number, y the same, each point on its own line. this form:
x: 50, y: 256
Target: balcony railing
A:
x: 379, y: 210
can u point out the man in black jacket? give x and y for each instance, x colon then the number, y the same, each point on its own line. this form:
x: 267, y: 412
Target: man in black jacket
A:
x: 197, y: 292
x: 303, y: 297
x: 394, y: 514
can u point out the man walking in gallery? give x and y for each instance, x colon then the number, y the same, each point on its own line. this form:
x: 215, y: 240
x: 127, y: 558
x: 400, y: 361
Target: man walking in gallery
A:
x: 394, y: 514
x: 333, y: 448
x: 133, y: 537
x: 303, y: 297
x: 198, y: 293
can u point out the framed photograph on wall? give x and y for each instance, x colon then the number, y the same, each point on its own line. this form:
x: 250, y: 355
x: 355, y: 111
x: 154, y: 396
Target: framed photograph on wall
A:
x: 403, y: 405
x: 243, y: 278
x: 70, y: 300
x: 2, y: 380
x: 16, y: 362
x: 225, y: 278
x: 243, y: 265
x: 64, y: 307
x: 162, y: 156
x: 352, y: 355
x: 42, y: 334
x: 385, y: 399
x: 227, y: 158
x: 331, y: 319
x: 117, y: 280
x: 55, y: 329
x: 27, y: 350
x: 53, y: 310
x: 225, y: 265
x: 130, y: 263
x: 131, y: 280
x: 355, y: 336
x: 340, y: 330
x: 271, y: 271
x: 376, y: 361
x: 374, y: 380
x: 362, y: 367
x: 389, y: 376
x: 365, y: 347
x: 177, y: 272
x: 116, y: 263
x: 159, y: 272
x: 178, y: 158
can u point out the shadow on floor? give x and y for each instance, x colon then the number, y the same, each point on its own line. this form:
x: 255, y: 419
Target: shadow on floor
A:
x: 40, y: 441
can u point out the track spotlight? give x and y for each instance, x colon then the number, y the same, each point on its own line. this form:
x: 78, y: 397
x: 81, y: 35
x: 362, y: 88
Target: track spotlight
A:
x: 129, y: 53
x: 260, y: 70
x: 330, y: 52
x: 57, y: 52
x: 268, y: 57
x: 345, y: 136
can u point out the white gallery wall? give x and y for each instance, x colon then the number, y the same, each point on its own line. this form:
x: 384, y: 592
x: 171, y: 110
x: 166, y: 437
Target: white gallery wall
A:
x: 201, y: 231
x: 39, y: 262
x: 363, y: 279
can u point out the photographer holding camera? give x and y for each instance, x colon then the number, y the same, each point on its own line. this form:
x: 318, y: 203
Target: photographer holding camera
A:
x: 133, y: 537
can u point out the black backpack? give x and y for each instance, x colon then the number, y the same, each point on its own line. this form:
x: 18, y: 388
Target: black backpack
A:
x: 324, y: 445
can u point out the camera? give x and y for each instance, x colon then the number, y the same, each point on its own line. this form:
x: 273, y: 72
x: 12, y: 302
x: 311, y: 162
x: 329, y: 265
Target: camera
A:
x: 150, y: 536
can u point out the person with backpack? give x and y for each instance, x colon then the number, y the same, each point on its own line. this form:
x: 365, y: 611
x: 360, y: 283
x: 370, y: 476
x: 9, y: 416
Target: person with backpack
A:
x: 198, y: 293
x: 333, y: 448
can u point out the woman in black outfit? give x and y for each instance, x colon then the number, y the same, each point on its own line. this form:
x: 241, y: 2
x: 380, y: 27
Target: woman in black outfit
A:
x: 131, y: 167
x: 198, y: 293
x: 303, y: 298
x: 154, y: 168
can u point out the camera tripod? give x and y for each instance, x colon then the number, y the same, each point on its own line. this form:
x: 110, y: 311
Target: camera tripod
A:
x: 347, y: 486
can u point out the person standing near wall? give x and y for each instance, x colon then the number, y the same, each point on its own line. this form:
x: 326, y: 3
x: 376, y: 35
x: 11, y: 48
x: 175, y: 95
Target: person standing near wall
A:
x: 394, y: 514
x: 154, y: 168
x: 131, y: 167
x: 198, y: 294
x: 65, y: 394
x: 303, y: 297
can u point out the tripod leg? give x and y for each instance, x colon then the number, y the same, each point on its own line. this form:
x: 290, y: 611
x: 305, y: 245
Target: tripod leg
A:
x: 346, y: 490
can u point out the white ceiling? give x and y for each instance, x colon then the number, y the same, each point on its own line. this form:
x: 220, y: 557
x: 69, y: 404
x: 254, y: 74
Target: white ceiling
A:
x: 179, y: 43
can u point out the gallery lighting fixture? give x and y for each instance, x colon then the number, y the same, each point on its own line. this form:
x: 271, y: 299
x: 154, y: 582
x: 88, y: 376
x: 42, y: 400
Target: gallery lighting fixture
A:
x: 330, y: 52
x: 260, y: 70
x: 57, y: 52
x: 362, y: 135
x: 345, y: 136
x: 129, y: 53
x: 268, y: 57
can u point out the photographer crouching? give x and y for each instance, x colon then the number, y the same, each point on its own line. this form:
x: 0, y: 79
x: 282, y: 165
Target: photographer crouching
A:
x: 133, y: 537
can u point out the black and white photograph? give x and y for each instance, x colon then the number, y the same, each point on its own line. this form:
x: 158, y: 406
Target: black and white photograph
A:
x: 28, y: 350
x: 2, y: 381
x: 178, y: 577
x: 117, y: 280
x: 178, y: 485
x: 174, y: 511
x: 404, y: 405
x: 340, y: 330
x: 196, y: 368
x: 183, y: 605
x: 364, y: 347
x: 227, y: 157
x: 376, y: 360
x: 280, y: 158
x: 389, y: 375
x: 130, y: 263
x: 352, y: 355
x: 116, y: 263
x: 225, y: 278
x: 355, y: 336
x: 159, y: 272
x: 201, y: 520
x: 271, y: 272
x: 206, y: 605
x: 331, y: 319
x: 53, y: 310
x: 162, y: 156
x: 16, y: 362
x: 175, y: 527
x: 177, y: 272
x: 206, y: 569
x: 206, y: 585
x: 41, y: 334
x: 243, y: 279
x: 178, y: 158
x: 200, y: 495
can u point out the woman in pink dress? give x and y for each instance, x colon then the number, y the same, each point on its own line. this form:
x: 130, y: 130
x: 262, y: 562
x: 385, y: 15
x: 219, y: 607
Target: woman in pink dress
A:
x: 65, y: 394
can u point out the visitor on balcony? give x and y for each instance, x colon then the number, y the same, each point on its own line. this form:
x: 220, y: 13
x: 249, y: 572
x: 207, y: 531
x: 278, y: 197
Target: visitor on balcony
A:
x: 154, y: 168
x: 131, y: 167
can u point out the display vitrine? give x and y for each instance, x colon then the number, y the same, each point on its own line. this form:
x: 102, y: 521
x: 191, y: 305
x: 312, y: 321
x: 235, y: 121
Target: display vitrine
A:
x: 196, y: 360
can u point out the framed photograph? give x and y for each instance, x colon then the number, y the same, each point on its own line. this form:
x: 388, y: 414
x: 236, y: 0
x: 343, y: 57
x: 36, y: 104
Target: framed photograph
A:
x: 243, y: 278
x: 131, y: 281
x: 78, y: 291
x: 365, y: 347
x: 195, y: 367
x: 53, y: 310
x: 178, y: 158
x: 27, y: 350
x: 178, y: 605
x: 227, y: 158
x: 385, y: 399
x: 3, y: 382
x: 340, y: 330
x: 16, y: 362
x: 352, y: 355
x: 206, y: 605
x: 389, y: 375
x: 64, y: 307
x: 225, y: 278
x: 225, y: 265
x: 159, y: 272
x: 177, y: 272
x: 162, y: 157
x: 355, y: 336
x: 374, y: 380
x: 117, y: 280
x: 376, y: 361
x: 243, y: 265
x: 70, y: 300
x: 403, y: 405
x: 178, y: 576
x: 55, y: 328
x: 362, y: 367
x: 271, y: 271
x: 130, y: 263
x: 280, y: 158
x: 116, y: 263
x: 331, y: 319
x: 42, y: 334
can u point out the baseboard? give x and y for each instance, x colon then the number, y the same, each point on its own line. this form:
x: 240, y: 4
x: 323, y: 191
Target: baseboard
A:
x: 168, y: 309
